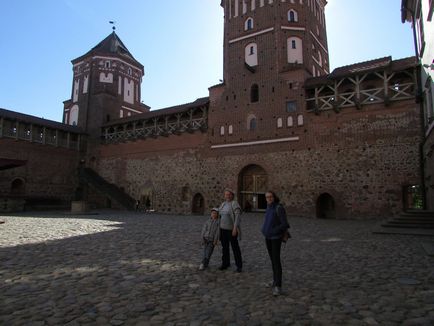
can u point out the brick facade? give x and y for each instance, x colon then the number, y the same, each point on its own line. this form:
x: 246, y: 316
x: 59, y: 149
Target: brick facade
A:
x: 50, y: 172
x: 341, y: 144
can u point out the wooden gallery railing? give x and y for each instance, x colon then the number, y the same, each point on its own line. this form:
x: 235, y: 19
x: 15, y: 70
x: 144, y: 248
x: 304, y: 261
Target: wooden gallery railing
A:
x: 360, y: 90
x: 195, y: 119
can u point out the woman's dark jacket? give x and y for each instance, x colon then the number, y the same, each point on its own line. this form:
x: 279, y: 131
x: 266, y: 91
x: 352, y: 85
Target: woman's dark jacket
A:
x: 275, y: 223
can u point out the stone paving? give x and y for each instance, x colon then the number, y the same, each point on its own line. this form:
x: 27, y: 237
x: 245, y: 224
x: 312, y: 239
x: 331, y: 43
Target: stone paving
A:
x: 133, y: 269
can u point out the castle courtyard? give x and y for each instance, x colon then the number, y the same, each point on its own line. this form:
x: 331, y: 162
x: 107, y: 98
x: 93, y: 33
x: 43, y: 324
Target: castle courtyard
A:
x: 119, y: 268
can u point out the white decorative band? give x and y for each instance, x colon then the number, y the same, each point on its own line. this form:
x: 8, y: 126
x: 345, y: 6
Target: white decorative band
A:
x: 323, y: 47
x: 252, y: 35
x: 127, y: 108
x: 258, y: 142
x: 293, y: 28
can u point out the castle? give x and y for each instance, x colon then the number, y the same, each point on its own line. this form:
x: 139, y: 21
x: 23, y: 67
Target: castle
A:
x: 333, y: 144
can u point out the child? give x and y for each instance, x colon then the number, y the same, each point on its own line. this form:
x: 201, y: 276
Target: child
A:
x: 210, y: 237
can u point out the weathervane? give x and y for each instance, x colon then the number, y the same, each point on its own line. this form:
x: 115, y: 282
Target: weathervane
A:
x: 113, y: 23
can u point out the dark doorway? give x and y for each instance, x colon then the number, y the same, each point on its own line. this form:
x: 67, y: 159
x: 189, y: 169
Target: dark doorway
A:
x: 198, y: 204
x: 325, y: 206
x: 17, y: 187
x: 252, y: 183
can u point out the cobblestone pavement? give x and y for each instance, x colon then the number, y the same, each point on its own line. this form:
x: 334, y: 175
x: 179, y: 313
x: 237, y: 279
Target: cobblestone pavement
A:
x: 133, y: 269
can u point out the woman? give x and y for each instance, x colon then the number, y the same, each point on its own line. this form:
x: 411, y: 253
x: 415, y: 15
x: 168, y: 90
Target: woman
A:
x: 274, y: 227
x: 230, y: 212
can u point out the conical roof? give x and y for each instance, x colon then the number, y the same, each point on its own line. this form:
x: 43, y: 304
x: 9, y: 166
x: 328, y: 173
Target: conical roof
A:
x: 113, y: 46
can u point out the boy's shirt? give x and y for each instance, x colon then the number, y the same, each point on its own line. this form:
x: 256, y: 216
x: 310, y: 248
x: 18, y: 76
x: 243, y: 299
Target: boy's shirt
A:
x: 211, y: 230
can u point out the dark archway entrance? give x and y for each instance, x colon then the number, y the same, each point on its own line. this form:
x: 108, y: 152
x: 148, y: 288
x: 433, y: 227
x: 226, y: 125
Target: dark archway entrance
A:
x: 17, y: 187
x: 198, y: 204
x: 325, y: 206
x: 253, y: 183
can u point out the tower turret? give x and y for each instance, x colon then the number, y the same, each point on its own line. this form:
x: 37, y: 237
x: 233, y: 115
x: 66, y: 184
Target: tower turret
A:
x: 106, y: 85
x: 270, y: 48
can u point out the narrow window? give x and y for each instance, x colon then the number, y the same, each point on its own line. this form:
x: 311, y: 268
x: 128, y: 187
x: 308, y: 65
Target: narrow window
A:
x: 292, y: 16
x: 230, y: 130
x: 254, y: 93
x: 279, y: 123
x: 130, y: 71
x: 291, y: 106
x: 300, y: 120
x: 107, y: 64
x: 293, y: 44
x: 290, y: 122
x: 222, y: 130
x: 248, y: 25
x: 252, y: 124
x: 252, y: 50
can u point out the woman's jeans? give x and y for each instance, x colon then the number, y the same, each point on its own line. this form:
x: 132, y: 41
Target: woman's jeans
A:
x: 226, y: 238
x: 273, y: 248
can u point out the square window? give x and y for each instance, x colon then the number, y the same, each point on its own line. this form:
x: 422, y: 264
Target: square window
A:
x: 291, y: 106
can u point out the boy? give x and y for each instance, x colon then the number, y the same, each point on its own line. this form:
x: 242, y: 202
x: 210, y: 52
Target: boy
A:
x: 210, y: 237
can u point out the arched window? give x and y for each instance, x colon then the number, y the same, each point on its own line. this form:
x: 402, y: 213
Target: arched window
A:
x: 292, y: 16
x: 251, y: 122
x: 279, y: 123
x: 290, y: 121
x: 295, y: 50
x: 230, y: 130
x: 248, y: 25
x: 254, y: 93
x: 300, y: 120
x: 251, y: 54
x: 222, y: 130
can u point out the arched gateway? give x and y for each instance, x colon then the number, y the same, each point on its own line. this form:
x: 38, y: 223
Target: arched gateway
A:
x: 325, y: 206
x: 198, y: 204
x: 252, y: 185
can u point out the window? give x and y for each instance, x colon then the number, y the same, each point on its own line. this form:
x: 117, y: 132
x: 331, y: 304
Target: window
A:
x: 292, y: 16
x: 252, y: 125
x: 254, y: 93
x: 300, y: 120
x: 291, y: 106
x: 251, y: 54
x: 290, y: 121
x: 230, y: 130
x: 107, y: 64
x: 295, y: 50
x: 279, y: 123
x: 222, y: 130
x: 130, y: 71
x: 248, y: 25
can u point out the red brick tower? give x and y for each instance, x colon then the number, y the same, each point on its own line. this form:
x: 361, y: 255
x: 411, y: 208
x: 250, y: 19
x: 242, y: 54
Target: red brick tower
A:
x: 270, y: 48
x: 106, y: 86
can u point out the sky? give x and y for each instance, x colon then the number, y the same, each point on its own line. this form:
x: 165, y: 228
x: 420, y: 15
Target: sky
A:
x: 180, y: 43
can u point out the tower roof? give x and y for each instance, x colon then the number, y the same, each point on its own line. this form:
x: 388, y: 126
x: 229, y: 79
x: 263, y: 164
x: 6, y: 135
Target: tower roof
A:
x: 111, y: 45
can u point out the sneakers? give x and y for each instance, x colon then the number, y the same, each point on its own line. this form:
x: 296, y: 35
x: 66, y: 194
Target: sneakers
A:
x: 277, y: 291
x: 201, y: 267
x: 269, y: 284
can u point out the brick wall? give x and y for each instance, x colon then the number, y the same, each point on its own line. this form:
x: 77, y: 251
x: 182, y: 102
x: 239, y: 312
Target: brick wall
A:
x: 362, y: 158
x: 429, y: 170
x: 50, y: 171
